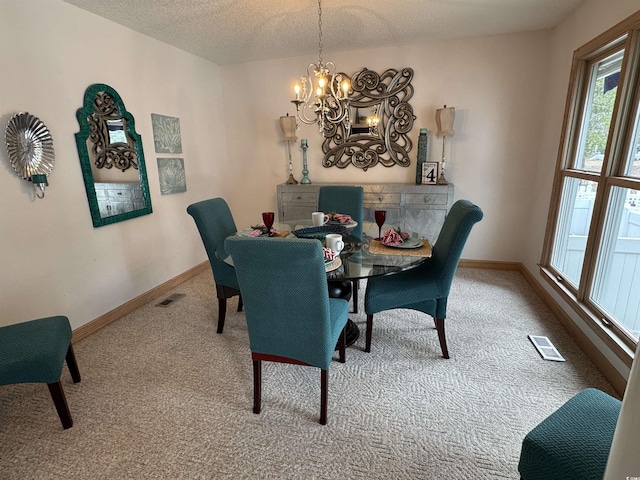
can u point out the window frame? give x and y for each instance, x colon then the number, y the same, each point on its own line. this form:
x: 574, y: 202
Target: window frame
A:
x: 625, y: 35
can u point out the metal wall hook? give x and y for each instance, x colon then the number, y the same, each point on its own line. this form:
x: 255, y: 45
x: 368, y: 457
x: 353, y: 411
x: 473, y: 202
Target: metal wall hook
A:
x: 39, y: 182
x: 39, y: 187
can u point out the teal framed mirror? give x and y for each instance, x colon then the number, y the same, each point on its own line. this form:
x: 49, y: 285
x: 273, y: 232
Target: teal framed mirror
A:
x: 111, y: 158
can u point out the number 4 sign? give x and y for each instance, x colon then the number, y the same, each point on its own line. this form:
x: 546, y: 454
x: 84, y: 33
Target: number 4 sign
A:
x: 429, y: 173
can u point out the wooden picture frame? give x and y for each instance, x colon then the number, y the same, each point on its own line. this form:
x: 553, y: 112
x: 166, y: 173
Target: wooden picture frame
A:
x: 429, y: 173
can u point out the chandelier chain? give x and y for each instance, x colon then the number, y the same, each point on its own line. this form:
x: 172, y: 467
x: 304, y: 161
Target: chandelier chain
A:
x: 320, y: 31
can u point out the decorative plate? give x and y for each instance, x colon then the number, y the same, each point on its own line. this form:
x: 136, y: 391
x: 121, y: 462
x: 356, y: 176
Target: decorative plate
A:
x: 350, y: 224
x: 320, y: 232
x: 330, y: 265
x: 29, y: 145
x: 247, y: 233
x: 408, y: 243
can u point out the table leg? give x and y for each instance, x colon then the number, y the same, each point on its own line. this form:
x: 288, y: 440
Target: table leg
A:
x: 352, y: 333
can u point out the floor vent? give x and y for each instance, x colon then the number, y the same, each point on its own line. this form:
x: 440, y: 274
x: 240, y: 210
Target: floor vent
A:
x: 545, y: 348
x: 170, y: 299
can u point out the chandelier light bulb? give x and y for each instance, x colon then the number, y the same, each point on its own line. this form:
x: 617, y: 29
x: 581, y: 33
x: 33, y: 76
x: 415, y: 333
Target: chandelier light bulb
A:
x: 296, y: 89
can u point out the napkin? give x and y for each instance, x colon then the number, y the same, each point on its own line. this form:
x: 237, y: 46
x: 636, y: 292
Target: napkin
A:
x: 261, y: 229
x: 341, y: 217
x: 392, y: 238
x: 328, y: 253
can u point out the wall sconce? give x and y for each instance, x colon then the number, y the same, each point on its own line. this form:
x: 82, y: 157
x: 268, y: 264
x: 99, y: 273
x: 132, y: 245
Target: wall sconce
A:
x: 444, y: 122
x: 30, y: 149
x: 288, y: 126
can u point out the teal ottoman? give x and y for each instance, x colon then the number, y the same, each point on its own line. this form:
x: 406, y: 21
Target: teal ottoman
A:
x: 34, y: 352
x: 573, y: 443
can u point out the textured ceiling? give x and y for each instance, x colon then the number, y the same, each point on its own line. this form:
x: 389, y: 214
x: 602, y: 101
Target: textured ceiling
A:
x: 235, y: 31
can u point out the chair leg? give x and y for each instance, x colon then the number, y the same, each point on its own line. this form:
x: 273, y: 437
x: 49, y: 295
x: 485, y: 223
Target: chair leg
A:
x: 59, y: 400
x: 367, y: 347
x: 441, y: 337
x: 342, y: 342
x: 324, y: 395
x: 222, y: 312
x: 239, y: 303
x: 257, y: 385
x: 355, y: 288
x: 72, y: 365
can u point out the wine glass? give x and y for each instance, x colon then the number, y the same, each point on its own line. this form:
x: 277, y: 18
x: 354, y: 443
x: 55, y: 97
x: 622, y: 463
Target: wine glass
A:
x: 381, y: 216
x: 268, y: 218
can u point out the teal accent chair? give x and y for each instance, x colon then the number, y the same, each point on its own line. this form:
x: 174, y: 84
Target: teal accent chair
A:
x: 426, y: 287
x: 346, y: 199
x: 572, y: 443
x: 215, y: 223
x: 34, y: 352
x: 300, y: 326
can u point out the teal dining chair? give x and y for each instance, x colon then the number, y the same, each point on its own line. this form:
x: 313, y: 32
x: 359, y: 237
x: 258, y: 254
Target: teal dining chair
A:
x: 215, y: 223
x: 346, y: 199
x: 34, y: 352
x: 426, y: 287
x: 302, y: 328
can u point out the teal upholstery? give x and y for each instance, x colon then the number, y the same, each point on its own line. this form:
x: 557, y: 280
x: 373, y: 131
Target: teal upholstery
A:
x: 346, y: 199
x: 34, y: 352
x: 215, y: 223
x: 573, y: 443
x: 343, y: 199
x: 426, y: 287
x: 300, y: 325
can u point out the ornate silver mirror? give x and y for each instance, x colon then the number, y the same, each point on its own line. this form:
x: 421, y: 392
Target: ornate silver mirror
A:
x: 111, y: 157
x: 381, y: 118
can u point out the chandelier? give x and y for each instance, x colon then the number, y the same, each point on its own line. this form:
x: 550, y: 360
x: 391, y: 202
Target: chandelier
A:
x: 326, y: 103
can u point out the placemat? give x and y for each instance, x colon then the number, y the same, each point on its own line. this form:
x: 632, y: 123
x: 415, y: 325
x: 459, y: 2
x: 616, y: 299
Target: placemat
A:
x: 333, y: 264
x: 320, y: 232
x: 376, y: 247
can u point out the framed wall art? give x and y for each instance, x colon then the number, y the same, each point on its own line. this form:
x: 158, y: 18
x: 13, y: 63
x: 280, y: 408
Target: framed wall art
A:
x: 171, y: 175
x: 166, y: 134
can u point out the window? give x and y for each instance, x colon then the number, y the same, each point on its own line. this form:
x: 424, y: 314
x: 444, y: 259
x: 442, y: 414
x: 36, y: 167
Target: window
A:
x: 592, y: 246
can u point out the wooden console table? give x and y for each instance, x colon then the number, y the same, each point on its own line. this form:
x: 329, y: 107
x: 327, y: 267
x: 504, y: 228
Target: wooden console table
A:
x: 417, y: 208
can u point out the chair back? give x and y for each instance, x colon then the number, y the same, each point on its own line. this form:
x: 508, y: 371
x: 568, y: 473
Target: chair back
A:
x: 453, y: 236
x: 215, y: 223
x: 283, y: 320
x: 347, y: 199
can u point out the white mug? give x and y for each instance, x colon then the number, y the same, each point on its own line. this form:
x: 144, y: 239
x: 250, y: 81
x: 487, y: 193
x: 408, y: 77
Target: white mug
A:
x: 334, y: 242
x: 319, y: 218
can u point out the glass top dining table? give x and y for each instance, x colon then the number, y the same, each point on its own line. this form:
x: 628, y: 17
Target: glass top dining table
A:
x: 357, y: 260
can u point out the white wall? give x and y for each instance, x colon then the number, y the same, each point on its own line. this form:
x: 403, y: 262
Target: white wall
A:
x: 53, y: 260
x: 496, y: 85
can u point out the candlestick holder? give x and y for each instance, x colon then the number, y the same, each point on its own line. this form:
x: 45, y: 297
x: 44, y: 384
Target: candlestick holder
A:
x: 305, y: 172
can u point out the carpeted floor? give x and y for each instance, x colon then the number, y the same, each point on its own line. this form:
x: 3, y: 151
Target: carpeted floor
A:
x: 164, y: 397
